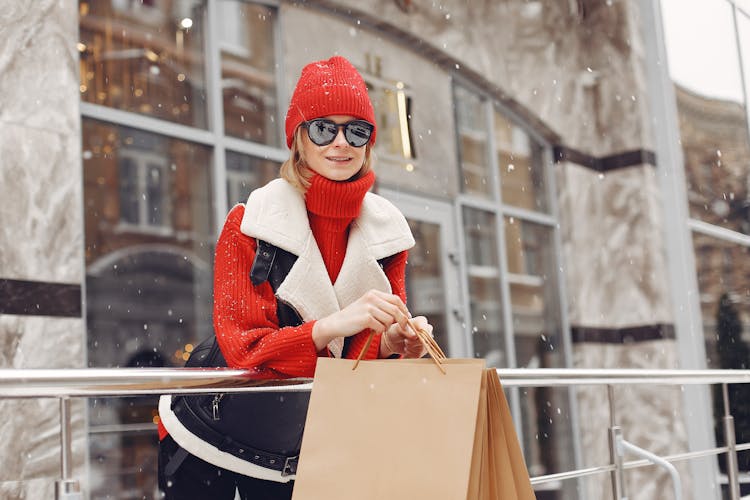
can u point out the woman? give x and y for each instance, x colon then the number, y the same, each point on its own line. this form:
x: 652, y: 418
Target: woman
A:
x: 306, y: 268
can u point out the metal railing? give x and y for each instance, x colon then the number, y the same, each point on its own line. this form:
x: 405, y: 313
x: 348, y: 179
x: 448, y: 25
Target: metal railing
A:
x: 64, y: 384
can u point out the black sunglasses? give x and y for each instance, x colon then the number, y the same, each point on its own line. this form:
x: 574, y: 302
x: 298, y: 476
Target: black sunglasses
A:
x: 322, y: 131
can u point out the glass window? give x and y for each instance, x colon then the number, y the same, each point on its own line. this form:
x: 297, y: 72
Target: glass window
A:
x: 144, y: 57
x: 471, y: 122
x: 424, y: 278
x: 520, y: 162
x: 130, y: 267
x: 144, y: 200
x: 717, y: 264
x: 724, y: 288
x: 711, y: 109
x: 148, y: 290
x: 393, y: 111
x: 533, y: 289
x: 531, y: 271
x: 712, y: 112
x: 537, y: 335
x: 248, y: 78
x: 246, y: 173
x: 706, y: 64
x: 484, y: 285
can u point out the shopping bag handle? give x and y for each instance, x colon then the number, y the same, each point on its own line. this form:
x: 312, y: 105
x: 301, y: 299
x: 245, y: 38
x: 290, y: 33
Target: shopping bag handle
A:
x: 431, y: 346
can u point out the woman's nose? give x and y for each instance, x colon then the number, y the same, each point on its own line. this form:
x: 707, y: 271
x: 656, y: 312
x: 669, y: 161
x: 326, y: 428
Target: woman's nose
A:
x: 340, y: 139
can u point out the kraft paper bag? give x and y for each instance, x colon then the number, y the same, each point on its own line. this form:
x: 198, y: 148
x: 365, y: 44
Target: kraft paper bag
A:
x: 403, y: 430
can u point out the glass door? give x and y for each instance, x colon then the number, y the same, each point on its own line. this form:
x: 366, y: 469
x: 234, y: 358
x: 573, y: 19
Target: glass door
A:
x: 432, y: 280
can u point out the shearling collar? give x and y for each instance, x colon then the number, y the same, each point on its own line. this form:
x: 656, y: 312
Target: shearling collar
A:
x: 276, y: 214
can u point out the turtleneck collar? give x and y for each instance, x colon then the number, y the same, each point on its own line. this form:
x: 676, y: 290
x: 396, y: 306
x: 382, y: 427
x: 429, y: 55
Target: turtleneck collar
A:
x: 331, y: 207
x: 340, y: 201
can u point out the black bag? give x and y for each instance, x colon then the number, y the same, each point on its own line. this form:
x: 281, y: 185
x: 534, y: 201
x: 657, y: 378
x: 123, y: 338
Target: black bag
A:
x: 264, y: 428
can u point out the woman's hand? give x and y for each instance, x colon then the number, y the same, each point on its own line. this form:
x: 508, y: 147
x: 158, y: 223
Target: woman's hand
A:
x: 375, y: 310
x: 404, y: 341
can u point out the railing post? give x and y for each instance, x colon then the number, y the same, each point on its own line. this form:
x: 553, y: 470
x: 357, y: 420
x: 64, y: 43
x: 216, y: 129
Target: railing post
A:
x: 733, y: 483
x: 615, y: 457
x: 66, y: 488
x: 617, y: 475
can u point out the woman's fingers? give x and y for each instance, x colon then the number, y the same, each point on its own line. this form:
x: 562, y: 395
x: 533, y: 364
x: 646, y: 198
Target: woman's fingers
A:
x: 414, y: 348
x: 375, y: 310
x: 405, y: 342
x: 387, y: 308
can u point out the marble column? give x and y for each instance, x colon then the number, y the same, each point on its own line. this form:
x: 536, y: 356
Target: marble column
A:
x: 41, y: 235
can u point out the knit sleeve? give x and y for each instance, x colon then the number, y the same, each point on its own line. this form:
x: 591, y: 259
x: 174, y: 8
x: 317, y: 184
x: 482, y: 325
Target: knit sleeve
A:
x: 245, y: 317
x: 395, y: 270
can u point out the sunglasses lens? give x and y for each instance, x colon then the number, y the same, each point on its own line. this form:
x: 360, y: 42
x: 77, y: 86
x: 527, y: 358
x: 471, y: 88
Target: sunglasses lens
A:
x: 358, y: 133
x: 322, y: 132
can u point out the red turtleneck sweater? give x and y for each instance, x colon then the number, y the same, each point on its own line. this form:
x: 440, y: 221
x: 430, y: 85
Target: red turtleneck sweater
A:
x: 245, y: 321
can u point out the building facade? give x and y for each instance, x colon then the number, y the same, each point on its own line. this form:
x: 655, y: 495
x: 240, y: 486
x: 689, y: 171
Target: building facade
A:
x: 575, y: 174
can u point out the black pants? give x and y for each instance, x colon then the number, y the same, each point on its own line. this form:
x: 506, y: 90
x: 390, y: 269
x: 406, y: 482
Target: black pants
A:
x: 196, y: 479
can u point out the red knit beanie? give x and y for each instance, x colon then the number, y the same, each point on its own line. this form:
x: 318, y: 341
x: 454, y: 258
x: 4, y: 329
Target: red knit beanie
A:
x: 332, y: 87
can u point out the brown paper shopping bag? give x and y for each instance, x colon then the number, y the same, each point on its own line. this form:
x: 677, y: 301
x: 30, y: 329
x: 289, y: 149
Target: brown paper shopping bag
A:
x: 403, y: 429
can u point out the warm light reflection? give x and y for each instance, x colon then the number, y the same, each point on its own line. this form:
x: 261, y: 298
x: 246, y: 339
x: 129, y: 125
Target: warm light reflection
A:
x: 151, y: 55
x: 137, y: 63
x: 403, y: 120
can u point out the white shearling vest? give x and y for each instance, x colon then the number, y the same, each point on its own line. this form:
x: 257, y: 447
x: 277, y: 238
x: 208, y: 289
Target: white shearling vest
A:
x: 276, y: 213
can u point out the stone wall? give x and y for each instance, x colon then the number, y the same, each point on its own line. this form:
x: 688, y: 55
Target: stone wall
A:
x: 41, y: 235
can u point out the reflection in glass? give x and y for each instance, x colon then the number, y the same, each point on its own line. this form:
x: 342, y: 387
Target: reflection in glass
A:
x: 721, y: 272
x: 484, y: 286
x: 716, y: 153
x: 248, y: 78
x: 521, y: 166
x: 707, y: 65
x: 536, y: 328
x: 149, y: 245
x: 713, y: 118
x: 393, y: 112
x: 424, y: 279
x: 246, y: 173
x: 471, y: 122
x: 144, y: 57
x: 724, y: 286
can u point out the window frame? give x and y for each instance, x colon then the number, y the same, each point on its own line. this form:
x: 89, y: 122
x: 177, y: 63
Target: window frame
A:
x: 143, y: 161
x: 494, y: 203
x: 213, y: 136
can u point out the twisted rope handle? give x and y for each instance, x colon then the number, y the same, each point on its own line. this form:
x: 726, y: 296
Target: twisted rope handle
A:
x: 428, y: 342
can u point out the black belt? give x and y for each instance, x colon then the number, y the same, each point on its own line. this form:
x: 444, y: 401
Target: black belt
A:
x: 287, y: 465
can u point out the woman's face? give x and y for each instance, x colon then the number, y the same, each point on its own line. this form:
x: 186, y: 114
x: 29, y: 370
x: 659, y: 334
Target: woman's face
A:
x: 337, y: 161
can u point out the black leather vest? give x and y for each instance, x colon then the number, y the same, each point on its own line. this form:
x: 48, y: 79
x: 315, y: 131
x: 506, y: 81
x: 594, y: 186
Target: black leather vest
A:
x: 262, y: 428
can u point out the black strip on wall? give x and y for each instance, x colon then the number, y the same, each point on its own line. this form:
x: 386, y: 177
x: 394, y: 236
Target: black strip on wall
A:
x: 622, y: 335
x: 605, y: 163
x: 37, y: 298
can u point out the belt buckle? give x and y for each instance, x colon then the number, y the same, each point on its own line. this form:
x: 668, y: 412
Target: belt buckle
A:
x: 290, y: 466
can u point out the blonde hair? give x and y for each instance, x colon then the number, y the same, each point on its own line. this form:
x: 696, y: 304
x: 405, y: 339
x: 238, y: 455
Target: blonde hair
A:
x: 296, y: 172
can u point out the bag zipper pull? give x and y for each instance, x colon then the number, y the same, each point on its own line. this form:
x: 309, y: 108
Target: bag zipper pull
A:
x: 215, y: 406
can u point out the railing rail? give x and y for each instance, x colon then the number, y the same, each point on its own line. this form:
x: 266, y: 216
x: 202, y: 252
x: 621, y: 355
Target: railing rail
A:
x: 93, y: 382
x: 104, y: 382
